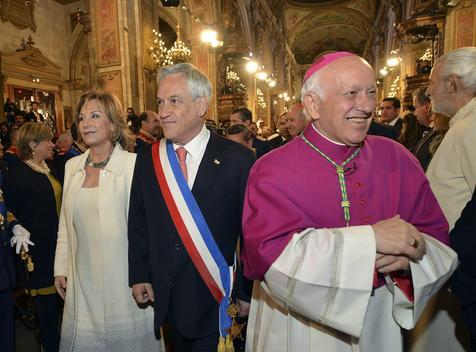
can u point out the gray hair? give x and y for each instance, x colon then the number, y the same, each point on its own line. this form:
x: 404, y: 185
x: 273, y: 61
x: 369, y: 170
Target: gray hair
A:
x: 420, y: 95
x: 312, y: 85
x: 462, y: 63
x: 198, y: 83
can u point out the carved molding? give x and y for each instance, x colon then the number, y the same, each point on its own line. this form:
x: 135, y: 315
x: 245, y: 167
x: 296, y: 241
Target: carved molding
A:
x: 19, y: 13
x: 112, y: 83
x: 29, y: 64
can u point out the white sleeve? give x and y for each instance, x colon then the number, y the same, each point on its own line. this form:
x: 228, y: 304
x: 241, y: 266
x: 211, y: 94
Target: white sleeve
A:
x: 326, y: 275
x: 428, y: 276
x: 61, y: 253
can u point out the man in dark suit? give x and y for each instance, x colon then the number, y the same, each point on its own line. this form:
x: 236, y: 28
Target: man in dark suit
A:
x: 463, y: 241
x: 381, y: 129
x: 34, y: 115
x: 8, y: 227
x: 244, y: 116
x: 423, y: 114
x: 389, y: 113
x: 282, y: 136
x: 7, y: 282
x: 216, y: 171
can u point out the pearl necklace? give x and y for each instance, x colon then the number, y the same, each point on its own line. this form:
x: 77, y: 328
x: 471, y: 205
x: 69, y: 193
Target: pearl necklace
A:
x: 42, y: 167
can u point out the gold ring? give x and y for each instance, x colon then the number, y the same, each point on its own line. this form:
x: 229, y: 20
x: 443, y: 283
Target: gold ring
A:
x: 415, y: 243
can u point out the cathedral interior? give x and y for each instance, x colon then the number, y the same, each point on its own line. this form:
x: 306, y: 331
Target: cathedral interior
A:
x: 255, y: 53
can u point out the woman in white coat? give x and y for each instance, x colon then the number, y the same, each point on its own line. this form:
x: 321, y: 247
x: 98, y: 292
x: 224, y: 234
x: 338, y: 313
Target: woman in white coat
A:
x: 91, y: 270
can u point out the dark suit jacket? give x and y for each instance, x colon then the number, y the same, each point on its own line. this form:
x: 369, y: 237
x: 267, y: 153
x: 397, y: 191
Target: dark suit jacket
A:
x: 261, y: 147
x: 380, y: 129
x: 399, y: 125
x: 30, y: 197
x: 156, y: 253
x: 31, y: 117
x: 7, y: 267
x: 140, y: 145
x: 277, y: 141
x: 463, y: 241
x: 422, y: 149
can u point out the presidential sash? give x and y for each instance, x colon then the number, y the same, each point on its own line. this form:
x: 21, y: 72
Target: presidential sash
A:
x: 193, y: 229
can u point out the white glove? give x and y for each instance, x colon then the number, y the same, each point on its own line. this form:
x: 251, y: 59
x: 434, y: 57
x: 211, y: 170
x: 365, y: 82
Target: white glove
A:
x: 21, y: 237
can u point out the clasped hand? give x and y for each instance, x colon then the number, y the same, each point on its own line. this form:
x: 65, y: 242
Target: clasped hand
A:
x: 397, y: 243
x: 143, y: 293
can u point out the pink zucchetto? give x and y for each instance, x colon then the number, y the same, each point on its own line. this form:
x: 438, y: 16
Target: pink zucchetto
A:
x: 323, y: 61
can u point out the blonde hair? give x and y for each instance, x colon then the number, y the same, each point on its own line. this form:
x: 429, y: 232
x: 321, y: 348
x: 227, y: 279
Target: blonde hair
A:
x: 115, y: 114
x: 35, y: 132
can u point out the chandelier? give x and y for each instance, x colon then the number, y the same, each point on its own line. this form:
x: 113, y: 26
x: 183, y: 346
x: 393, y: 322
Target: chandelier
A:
x: 179, y: 52
x: 159, y: 51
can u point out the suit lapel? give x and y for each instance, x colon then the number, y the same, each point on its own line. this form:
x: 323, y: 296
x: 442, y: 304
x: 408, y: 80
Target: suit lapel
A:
x: 209, y: 166
x: 424, y: 140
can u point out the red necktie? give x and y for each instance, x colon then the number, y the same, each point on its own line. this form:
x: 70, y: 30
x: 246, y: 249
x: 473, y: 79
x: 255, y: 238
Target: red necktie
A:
x: 182, y: 155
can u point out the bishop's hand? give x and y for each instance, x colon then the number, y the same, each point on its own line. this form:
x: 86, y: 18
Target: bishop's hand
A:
x: 397, y: 237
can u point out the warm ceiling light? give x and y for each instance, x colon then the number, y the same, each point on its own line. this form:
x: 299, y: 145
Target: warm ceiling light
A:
x: 272, y: 83
x: 261, y: 75
x: 216, y: 43
x: 383, y: 71
x: 251, y: 66
x: 208, y: 36
x: 393, y: 60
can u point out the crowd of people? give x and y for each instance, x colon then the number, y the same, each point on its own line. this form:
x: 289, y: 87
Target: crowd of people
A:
x: 334, y: 232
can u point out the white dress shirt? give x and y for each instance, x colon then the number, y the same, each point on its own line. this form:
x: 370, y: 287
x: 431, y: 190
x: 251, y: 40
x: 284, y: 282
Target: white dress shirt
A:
x: 195, y: 150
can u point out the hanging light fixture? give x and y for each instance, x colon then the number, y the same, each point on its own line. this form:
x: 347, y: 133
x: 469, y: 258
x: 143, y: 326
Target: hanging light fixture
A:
x: 393, y: 60
x: 159, y: 51
x: 179, y: 52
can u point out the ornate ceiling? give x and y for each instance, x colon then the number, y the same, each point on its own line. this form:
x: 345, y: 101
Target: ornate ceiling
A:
x: 315, y: 27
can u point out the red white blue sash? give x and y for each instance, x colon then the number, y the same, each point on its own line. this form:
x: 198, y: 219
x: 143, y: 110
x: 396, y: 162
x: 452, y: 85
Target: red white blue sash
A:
x: 192, y: 228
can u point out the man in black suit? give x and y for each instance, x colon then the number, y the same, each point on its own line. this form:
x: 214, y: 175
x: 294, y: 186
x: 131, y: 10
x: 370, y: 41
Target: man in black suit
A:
x: 381, y: 129
x: 463, y: 241
x: 244, y: 116
x: 282, y: 136
x: 216, y: 170
x: 7, y: 283
x: 9, y: 227
x: 34, y: 115
x: 423, y: 114
x: 389, y: 113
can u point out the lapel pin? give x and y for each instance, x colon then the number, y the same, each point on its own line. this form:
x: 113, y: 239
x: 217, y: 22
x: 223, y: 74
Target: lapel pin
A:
x: 216, y: 162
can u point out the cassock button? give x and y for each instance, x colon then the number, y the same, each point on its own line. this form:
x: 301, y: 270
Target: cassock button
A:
x: 367, y: 219
x: 363, y: 202
x: 358, y: 184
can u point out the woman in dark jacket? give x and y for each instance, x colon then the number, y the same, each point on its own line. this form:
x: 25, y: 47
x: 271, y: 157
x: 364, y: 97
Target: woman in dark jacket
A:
x: 33, y: 194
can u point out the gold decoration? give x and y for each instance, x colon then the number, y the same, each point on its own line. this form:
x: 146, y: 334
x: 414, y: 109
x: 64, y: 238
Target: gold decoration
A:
x: 235, y: 330
x: 221, y: 344
x: 30, y: 266
x: 229, y: 344
x: 232, y: 310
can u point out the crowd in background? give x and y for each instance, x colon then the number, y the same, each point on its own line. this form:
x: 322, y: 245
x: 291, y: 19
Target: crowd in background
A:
x: 82, y: 206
